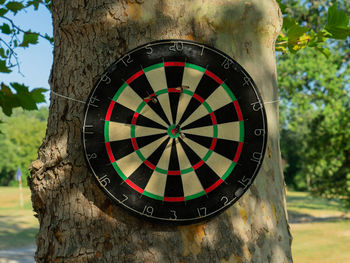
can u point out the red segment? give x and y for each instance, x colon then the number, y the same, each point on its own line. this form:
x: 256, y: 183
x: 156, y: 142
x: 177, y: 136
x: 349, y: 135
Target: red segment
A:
x: 238, y: 153
x: 109, y: 111
x: 134, y: 118
x: 174, y: 172
x: 211, y: 188
x: 109, y: 151
x: 213, y: 76
x: 135, y: 76
x: 213, y: 118
x: 134, y: 144
x: 174, y: 64
x: 197, y: 97
x: 149, y: 98
x: 174, y: 199
x: 197, y: 165
x: 174, y: 90
x: 238, y: 110
x: 150, y: 165
x: 134, y: 186
x: 213, y: 143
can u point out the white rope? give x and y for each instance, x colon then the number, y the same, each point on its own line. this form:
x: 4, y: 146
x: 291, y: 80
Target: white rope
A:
x: 65, y: 97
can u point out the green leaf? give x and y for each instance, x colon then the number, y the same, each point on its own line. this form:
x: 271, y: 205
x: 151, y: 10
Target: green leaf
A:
x: 2, y: 53
x: 29, y: 38
x: 337, y: 23
x: 2, y: 1
x: 14, y: 6
x: 288, y: 23
x: 5, y: 28
x: 3, y: 67
x: 37, y: 94
x: 24, y: 97
x: 3, y: 11
x: 34, y: 3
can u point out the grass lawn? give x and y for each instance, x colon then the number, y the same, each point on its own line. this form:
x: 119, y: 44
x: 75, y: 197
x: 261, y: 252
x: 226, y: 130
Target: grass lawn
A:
x: 320, y: 232
x: 18, y: 226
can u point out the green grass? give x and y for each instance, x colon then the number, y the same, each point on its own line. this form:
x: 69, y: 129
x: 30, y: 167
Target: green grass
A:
x: 18, y: 226
x: 325, y: 241
x: 326, y: 237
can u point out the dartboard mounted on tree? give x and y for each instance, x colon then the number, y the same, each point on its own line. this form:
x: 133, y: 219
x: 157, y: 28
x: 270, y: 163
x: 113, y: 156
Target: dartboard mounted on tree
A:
x: 175, y: 131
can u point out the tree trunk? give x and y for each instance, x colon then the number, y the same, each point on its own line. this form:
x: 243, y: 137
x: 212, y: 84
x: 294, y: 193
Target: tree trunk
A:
x: 78, y: 223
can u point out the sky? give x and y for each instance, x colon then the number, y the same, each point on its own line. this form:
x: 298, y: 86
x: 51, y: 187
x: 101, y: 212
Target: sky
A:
x: 36, y: 60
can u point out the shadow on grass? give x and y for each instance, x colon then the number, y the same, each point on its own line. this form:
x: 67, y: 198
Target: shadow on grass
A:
x: 298, y: 218
x: 15, y: 232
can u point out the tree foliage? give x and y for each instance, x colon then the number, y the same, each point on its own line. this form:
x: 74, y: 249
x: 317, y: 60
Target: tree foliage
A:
x: 315, y: 102
x: 13, y: 37
x: 21, y: 136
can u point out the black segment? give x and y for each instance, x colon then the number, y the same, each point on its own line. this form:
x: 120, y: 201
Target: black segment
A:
x: 206, y: 87
x: 206, y: 176
x: 174, y: 104
x: 144, y: 121
x: 226, y: 114
x: 204, y: 121
x: 141, y: 176
x: 145, y: 140
x: 142, y: 87
x: 202, y: 140
x: 121, y: 114
x: 191, y: 155
x: 173, y: 187
x: 155, y: 156
x: 174, y: 76
x: 121, y: 148
x: 192, y: 106
x: 226, y: 148
x: 174, y: 160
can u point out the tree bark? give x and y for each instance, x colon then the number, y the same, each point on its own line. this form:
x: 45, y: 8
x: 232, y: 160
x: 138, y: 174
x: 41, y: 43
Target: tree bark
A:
x: 78, y: 223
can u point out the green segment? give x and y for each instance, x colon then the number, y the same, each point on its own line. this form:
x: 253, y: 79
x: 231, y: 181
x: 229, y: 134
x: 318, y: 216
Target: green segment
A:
x: 206, y: 105
x: 162, y: 91
x: 140, y: 107
x: 228, y: 91
x: 194, y: 196
x: 188, y: 92
x: 140, y: 155
x: 155, y: 66
x: 132, y: 131
x: 106, y: 131
x: 160, y: 170
x: 241, y: 131
x: 229, y: 171
x: 152, y: 195
x: 121, y: 174
x: 206, y: 157
x: 189, y: 65
x: 170, y: 129
x: 120, y: 90
x: 215, y: 132
x: 187, y: 170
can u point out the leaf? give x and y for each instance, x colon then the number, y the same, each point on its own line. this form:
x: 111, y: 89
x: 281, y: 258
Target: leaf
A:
x: 3, y: 11
x: 29, y: 38
x: 337, y: 23
x: 37, y: 95
x: 14, y: 6
x: 35, y: 3
x: 2, y: 1
x: 3, y: 67
x: 5, y: 28
x: 23, y: 96
x: 2, y: 53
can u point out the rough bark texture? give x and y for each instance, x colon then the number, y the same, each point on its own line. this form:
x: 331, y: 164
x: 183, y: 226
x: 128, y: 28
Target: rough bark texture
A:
x: 77, y: 222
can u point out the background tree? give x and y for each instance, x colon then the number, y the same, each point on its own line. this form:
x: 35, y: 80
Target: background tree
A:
x: 77, y: 222
x: 21, y: 135
x: 315, y: 96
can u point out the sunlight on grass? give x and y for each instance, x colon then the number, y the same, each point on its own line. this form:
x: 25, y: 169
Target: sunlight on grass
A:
x: 18, y: 226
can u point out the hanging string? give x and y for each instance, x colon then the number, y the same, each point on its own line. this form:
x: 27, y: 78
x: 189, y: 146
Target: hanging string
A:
x: 65, y: 97
x: 270, y: 102
x: 69, y: 98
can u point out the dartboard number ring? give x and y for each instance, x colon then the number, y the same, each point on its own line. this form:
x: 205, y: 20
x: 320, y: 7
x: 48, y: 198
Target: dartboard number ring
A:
x: 174, y: 131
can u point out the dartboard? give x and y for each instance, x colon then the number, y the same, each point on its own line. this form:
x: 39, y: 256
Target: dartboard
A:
x: 174, y: 131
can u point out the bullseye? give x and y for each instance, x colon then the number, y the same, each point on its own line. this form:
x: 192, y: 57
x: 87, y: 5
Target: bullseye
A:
x: 174, y: 131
